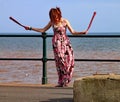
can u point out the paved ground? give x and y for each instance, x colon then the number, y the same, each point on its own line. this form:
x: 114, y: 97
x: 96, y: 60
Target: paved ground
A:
x: 35, y: 93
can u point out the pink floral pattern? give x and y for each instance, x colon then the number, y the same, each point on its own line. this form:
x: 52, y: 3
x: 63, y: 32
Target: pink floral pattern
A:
x: 63, y: 53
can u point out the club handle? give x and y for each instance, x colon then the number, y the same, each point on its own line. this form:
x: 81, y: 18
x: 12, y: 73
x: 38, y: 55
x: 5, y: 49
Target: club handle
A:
x: 94, y: 14
x: 16, y: 21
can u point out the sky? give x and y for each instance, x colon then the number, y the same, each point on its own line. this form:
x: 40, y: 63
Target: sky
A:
x: 35, y: 13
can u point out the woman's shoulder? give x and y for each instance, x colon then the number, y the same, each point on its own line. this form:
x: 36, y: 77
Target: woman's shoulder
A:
x: 65, y: 20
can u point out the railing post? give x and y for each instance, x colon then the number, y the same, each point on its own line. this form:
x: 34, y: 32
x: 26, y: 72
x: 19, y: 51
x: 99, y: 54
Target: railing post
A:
x: 44, y: 59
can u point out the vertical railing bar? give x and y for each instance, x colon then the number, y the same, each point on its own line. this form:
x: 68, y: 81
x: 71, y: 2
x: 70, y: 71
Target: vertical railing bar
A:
x: 44, y: 59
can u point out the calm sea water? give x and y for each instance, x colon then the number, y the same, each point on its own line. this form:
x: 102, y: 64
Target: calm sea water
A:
x: 31, y: 71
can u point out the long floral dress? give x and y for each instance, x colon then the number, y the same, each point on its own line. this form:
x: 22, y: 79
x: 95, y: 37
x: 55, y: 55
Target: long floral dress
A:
x: 63, y: 54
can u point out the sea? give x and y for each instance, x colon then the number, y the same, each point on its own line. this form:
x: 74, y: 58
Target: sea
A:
x: 30, y: 72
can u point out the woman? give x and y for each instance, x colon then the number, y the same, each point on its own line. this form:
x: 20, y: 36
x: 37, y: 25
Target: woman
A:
x: 62, y: 49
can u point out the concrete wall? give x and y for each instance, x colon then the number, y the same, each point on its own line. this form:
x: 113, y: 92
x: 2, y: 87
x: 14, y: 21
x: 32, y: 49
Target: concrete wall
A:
x: 97, y: 88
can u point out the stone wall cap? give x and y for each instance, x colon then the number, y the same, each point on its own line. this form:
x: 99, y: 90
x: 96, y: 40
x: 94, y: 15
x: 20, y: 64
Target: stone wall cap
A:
x: 110, y: 76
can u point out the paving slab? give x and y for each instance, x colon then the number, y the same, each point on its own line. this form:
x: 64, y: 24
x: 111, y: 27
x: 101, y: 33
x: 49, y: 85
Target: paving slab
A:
x: 35, y: 93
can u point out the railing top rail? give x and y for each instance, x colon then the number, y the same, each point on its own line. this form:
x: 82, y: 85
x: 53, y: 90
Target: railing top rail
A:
x: 18, y: 35
x: 91, y: 35
x: 50, y: 59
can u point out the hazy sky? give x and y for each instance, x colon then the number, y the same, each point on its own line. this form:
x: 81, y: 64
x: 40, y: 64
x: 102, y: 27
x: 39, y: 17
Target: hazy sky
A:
x: 78, y: 12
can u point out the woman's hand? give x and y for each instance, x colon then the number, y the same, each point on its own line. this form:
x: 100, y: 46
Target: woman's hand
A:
x: 85, y: 32
x: 27, y: 28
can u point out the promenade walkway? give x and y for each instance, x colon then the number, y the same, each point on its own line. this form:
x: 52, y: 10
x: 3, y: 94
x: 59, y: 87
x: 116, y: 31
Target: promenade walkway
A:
x: 35, y: 93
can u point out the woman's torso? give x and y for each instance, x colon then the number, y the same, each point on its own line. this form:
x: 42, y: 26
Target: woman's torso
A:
x: 59, y: 30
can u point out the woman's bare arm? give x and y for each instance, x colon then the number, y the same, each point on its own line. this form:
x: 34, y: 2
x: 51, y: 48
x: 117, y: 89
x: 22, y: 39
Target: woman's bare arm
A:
x: 73, y: 31
x: 39, y: 29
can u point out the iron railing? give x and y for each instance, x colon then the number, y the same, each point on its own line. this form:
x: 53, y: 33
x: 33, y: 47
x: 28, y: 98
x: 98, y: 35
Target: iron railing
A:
x: 44, y: 59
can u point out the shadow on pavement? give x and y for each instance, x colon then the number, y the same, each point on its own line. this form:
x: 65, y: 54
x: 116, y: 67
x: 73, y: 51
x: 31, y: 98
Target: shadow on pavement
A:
x: 59, y: 100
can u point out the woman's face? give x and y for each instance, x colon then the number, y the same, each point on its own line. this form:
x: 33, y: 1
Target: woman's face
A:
x: 56, y: 18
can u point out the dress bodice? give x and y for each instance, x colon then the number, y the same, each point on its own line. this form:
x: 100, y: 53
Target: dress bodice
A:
x: 60, y: 28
